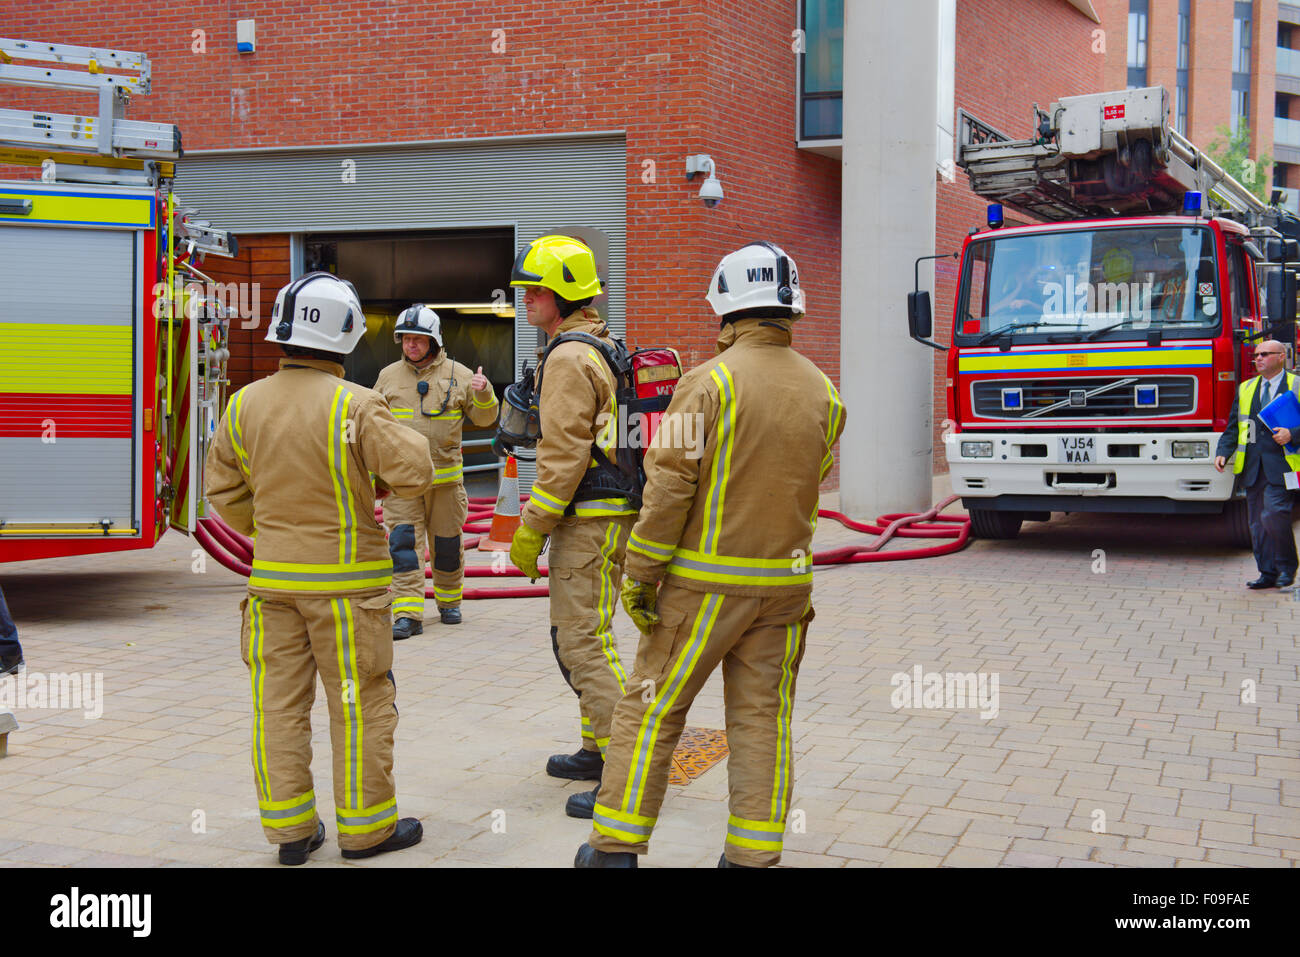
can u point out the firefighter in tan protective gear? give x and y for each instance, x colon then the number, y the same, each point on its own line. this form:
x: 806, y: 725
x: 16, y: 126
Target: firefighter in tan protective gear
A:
x: 291, y: 465
x: 587, y: 526
x: 719, y: 570
x: 432, y: 393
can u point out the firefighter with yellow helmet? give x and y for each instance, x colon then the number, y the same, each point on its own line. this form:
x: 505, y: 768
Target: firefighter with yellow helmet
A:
x: 291, y: 464
x: 719, y: 569
x: 587, y: 525
x: 433, y: 394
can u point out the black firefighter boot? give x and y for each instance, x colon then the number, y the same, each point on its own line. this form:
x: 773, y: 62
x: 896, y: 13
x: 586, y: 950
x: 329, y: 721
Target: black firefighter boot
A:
x: 406, y: 627
x: 582, y: 766
x: 297, y: 852
x: 450, y: 616
x: 588, y: 856
x: 582, y: 804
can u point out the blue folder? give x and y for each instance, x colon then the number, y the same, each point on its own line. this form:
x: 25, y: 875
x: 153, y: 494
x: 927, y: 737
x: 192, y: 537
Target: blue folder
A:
x: 1284, y: 413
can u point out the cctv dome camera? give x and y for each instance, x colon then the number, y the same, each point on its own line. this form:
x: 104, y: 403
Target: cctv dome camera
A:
x: 711, y: 192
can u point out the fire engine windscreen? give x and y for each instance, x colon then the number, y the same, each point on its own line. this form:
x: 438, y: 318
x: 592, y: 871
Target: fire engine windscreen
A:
x: 1087, y: 280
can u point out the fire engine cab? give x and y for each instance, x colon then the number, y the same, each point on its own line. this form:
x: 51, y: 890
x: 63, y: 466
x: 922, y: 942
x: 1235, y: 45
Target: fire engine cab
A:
x: 1096, y: 352
x: 112, y: 353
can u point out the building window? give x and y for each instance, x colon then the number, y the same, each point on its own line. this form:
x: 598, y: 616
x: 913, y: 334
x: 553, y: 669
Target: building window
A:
x: 1241, y: 38
x: 821, y: 92
x: 1240, y: 98
x: 1240, y: 109
x: 1137, y: 43
x: 1184, y: 55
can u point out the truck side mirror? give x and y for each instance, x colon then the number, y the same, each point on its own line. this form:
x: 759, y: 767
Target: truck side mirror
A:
x: 1280, y: 295
x: 1273, y: 282
x: 1289, y: 280
x: 919, y: 321
x: 1273, y: 250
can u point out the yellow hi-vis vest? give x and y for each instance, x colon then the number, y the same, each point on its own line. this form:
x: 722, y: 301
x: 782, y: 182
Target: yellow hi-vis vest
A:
x: 1245, y: 397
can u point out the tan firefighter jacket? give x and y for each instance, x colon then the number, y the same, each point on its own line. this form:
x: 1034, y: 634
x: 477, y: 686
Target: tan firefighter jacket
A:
x: 290, y: 464
x: 576, y: 398
x: 441, y: 414
x: 731, y: 497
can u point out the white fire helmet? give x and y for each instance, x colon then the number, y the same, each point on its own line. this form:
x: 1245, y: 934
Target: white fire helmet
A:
x: 759, y: 275
x: 418, y: 320
x: 318, y: 311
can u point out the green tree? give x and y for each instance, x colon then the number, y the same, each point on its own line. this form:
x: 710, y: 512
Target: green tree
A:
x: 1233, y: 154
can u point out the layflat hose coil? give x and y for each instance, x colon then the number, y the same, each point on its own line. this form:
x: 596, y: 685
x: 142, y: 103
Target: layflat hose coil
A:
x: 235, y: 551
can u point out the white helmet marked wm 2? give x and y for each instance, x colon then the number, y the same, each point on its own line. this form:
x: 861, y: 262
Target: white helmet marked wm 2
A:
x: 418, y: 320
x: 318, y: 311
x: 759, y: 275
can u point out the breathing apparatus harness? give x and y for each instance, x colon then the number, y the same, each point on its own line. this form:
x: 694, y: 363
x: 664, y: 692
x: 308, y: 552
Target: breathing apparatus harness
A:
x: 623, y: 476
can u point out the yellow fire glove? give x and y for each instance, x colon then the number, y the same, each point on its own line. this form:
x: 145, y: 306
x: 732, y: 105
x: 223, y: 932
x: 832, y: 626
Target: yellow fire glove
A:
x: 639, y: 603
x: 524, y: 549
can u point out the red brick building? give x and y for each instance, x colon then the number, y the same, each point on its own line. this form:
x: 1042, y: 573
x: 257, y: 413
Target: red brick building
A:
x: 414, y: 146
x: 662, y: 80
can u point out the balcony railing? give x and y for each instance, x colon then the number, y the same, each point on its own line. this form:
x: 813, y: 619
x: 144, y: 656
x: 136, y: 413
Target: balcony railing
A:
x: 1288, y: 62
x: 1286, y: 132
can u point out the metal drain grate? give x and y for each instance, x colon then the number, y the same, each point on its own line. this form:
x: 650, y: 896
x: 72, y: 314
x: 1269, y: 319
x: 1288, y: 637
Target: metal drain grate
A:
x: 698, y: 749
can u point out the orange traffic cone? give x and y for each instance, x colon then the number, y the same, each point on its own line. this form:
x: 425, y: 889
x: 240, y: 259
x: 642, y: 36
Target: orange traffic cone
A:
x: 505, y: 516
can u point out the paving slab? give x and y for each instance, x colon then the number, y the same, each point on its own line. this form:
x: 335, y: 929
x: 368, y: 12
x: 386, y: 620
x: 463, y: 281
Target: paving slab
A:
x: 1143, y: 715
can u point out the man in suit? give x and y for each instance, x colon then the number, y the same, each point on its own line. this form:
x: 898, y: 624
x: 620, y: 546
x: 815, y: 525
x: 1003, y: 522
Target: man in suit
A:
x: 1261, y: 461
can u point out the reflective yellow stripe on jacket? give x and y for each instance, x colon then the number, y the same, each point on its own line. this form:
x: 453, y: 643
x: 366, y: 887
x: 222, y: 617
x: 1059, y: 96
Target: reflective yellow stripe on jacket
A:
x: 445, y: 475
x: 346, y: 576
x: 735, y: 570
x: 720, y: 470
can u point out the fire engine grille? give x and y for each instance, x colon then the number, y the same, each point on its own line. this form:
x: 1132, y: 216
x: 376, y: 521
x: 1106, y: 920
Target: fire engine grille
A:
x: 1175, y: 395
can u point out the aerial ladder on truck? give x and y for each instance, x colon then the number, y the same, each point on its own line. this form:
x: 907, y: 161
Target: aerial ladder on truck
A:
x: 1115, y: 154
x: 1111, y: 193
x: 113, y: 349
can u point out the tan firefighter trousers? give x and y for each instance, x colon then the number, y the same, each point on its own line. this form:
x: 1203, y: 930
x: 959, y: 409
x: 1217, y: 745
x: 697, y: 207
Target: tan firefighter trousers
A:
x: 348, y: 639
x: 433, y: 521
x: 760, y: 643
x: 585, y: 574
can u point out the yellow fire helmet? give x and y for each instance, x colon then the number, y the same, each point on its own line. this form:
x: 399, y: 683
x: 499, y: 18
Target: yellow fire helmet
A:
x: 559, y: 263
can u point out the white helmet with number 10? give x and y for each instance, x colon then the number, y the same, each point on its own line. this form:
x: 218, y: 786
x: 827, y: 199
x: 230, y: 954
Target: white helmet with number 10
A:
x: 757, y: 276
x: 318, y: 311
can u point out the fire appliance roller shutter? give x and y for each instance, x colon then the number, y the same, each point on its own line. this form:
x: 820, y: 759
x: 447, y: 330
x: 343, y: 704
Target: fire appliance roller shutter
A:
x: 535, y: 184
x: 67, y: 376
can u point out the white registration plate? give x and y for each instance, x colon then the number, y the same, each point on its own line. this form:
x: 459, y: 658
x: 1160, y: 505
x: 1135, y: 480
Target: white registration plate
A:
x: 1077, y: 450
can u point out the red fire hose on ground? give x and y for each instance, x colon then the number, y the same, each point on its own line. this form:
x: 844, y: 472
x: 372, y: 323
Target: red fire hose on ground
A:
x: 235, y: 551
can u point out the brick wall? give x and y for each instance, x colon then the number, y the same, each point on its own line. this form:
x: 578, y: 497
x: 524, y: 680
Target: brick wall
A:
x: 677, y: 77
x: 1045, y: 50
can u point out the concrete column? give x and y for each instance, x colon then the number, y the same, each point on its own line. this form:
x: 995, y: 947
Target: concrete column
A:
x: 888, y: 205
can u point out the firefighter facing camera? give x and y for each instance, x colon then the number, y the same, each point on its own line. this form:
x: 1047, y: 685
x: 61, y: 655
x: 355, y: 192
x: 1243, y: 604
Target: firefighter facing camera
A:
x: 587, y: 527
x: 292, y: 460
x: 432, y: 394
x: 709, y: 586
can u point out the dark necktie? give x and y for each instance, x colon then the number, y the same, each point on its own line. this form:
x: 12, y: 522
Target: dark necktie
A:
x: 1264, y: 397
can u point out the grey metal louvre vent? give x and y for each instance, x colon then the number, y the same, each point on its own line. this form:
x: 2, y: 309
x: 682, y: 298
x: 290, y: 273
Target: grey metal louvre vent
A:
x: 534, y: 184
x: 1177, y: 396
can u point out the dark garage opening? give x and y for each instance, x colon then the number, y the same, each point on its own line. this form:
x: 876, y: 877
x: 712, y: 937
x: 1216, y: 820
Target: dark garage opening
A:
x: 464, y: 275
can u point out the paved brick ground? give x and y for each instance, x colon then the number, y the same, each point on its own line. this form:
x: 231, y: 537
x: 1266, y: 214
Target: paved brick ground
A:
x: 1120, y: 707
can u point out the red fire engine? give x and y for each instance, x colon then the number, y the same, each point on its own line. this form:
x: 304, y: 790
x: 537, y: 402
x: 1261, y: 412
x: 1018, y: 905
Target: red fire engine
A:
x: 112, y: 340
x: 1095, y: 356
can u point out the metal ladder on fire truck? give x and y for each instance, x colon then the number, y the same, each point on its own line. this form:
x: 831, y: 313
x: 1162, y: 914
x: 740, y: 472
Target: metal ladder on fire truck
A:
x: 110, y: 150
x: 104, y: 149
x: 1100, y: 154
